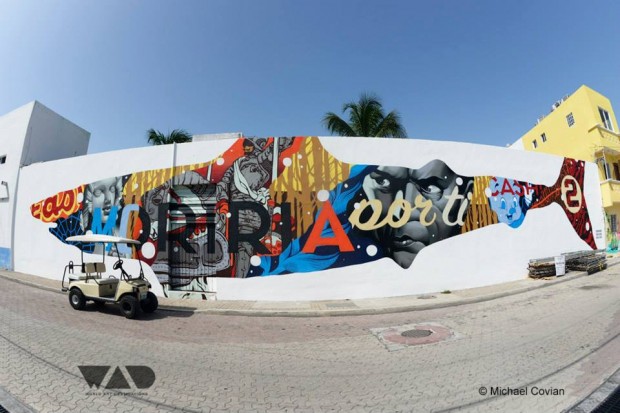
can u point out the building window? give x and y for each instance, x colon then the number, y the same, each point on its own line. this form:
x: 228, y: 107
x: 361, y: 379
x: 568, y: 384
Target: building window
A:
x: 570, y: 119
x: 607, y: 171
x: 613, y: 223
x: 2, y: 159
x: 543, y: 137
x: 616, y: 171
x: 535, y: 144
x: 606, y: 119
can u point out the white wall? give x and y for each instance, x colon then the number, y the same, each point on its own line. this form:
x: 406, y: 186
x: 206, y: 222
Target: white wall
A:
x: 485, y: 256
x: 31, y: 133
x: 52, y: 137
x: 13, y: 127
x: 518, y: 144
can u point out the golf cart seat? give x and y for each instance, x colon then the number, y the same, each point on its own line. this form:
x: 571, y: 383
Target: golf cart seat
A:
x: 94, y: 271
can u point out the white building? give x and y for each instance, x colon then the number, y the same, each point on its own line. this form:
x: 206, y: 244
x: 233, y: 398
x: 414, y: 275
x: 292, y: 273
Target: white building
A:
x: 30, y: 134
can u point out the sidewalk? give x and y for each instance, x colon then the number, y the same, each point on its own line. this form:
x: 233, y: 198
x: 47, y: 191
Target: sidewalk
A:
x: 364, y: 306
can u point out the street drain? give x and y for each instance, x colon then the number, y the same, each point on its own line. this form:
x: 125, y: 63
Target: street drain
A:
x: 416, y: 333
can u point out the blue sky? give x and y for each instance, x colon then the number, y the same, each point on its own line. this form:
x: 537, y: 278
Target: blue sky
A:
x: 475, y: 71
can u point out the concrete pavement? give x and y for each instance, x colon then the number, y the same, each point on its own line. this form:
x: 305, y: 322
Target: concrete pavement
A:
x: 563, y: 338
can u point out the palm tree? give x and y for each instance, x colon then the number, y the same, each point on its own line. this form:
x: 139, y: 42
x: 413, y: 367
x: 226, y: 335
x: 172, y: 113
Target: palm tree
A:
x: 155, y: 137
x: 366, y: 118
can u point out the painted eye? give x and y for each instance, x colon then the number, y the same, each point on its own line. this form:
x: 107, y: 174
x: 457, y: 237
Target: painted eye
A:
x: 97, y: 192
x: 503, y: 204
x: 514, y: 202
x: 431, y: 189
x: 113, y: 189
x: 383, y: 183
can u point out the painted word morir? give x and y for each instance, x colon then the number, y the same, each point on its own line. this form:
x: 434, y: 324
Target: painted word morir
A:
x: 277, y: 206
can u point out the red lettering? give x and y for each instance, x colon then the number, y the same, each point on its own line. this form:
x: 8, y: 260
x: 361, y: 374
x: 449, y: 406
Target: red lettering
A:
x: 340, y: 238
x: 507, y: 188
x: 496, y: 193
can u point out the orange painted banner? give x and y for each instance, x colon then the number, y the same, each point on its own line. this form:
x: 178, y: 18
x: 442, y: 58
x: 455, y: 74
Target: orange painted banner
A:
x: 58, y: 206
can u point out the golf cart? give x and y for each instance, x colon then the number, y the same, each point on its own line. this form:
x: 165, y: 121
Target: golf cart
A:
x: 91, y: 283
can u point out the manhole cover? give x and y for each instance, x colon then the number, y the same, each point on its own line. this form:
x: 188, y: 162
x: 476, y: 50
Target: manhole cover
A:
x: 416, y: 333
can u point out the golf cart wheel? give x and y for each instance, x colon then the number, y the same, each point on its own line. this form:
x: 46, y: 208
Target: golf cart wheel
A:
x: 129, y: 306
x: 77, y: 299
x: 149, y: 304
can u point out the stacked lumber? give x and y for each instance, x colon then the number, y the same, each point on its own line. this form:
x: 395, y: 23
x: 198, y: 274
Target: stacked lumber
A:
x: 541, y: 267
x: 590, y: 261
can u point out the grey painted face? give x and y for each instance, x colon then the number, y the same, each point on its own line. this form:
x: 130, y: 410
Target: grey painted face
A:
x: 433, y: 182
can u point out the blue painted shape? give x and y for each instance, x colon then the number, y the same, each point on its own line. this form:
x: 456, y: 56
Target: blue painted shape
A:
x: 68, y: 227
x: 5, y: 258
x: 108, y: 229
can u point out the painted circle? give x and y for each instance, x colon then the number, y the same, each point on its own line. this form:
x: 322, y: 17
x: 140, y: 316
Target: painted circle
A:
x: 220, y: 161
x: 228, y: 215
x: 255, y: 260
x: 459, y: 181
x: 371, y: 250
x: 356, y: 205
x: 80, y: 197
x: 587, y: 226
x: 323, y: 195
x: 287, y: 161
x: 487, y: 192
x: 148, y: 250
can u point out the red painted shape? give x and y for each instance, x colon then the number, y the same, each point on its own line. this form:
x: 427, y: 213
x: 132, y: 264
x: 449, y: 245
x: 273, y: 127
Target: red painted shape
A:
x: 340, y: 238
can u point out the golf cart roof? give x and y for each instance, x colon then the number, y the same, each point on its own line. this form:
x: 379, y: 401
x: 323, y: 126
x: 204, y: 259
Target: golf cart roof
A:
x: 101, y: 238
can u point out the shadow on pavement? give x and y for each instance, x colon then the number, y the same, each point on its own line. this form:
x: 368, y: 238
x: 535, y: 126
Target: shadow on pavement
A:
x: 113, y: 310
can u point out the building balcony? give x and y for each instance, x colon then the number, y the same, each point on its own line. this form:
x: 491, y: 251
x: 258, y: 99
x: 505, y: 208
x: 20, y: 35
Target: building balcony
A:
x: 608, y: 138
x: 610, y: 191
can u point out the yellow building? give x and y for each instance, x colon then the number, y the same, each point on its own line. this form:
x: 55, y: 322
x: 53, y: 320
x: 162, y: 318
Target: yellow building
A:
x: 583, y: 126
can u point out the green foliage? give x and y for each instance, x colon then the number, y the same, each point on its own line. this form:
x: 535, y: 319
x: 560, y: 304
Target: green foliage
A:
x: 366, y: 118
x: 612, y: 237
x: 155, y: 137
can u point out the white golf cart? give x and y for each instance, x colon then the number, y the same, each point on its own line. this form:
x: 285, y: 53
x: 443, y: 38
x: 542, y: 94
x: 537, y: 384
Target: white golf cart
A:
x: 91, y: 283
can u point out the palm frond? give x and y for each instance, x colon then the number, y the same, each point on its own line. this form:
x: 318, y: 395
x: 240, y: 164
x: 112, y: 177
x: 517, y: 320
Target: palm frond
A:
x: 366, y: 118
x: 335, y: 124
x: 155, y: 137
x: 390, y: 126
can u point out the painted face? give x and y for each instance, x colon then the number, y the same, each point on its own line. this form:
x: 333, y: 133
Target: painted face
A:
x: 254, y: 174
x: 156, y: 197
x: 505, y: 201
x: 432, y: 184
x: 105, y: 194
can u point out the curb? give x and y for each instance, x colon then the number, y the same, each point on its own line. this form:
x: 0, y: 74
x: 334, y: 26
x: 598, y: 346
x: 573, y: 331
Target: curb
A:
x: 360, y: 311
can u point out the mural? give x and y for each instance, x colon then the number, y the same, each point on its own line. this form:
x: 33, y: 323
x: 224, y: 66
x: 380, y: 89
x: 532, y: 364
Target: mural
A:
x: 284, y: 205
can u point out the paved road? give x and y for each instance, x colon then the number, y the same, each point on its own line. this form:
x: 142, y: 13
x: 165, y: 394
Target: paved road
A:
x: 564, y: 337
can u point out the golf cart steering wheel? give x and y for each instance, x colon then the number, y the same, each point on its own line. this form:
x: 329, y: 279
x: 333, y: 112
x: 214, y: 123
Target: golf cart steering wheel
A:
x: 118, y: 264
